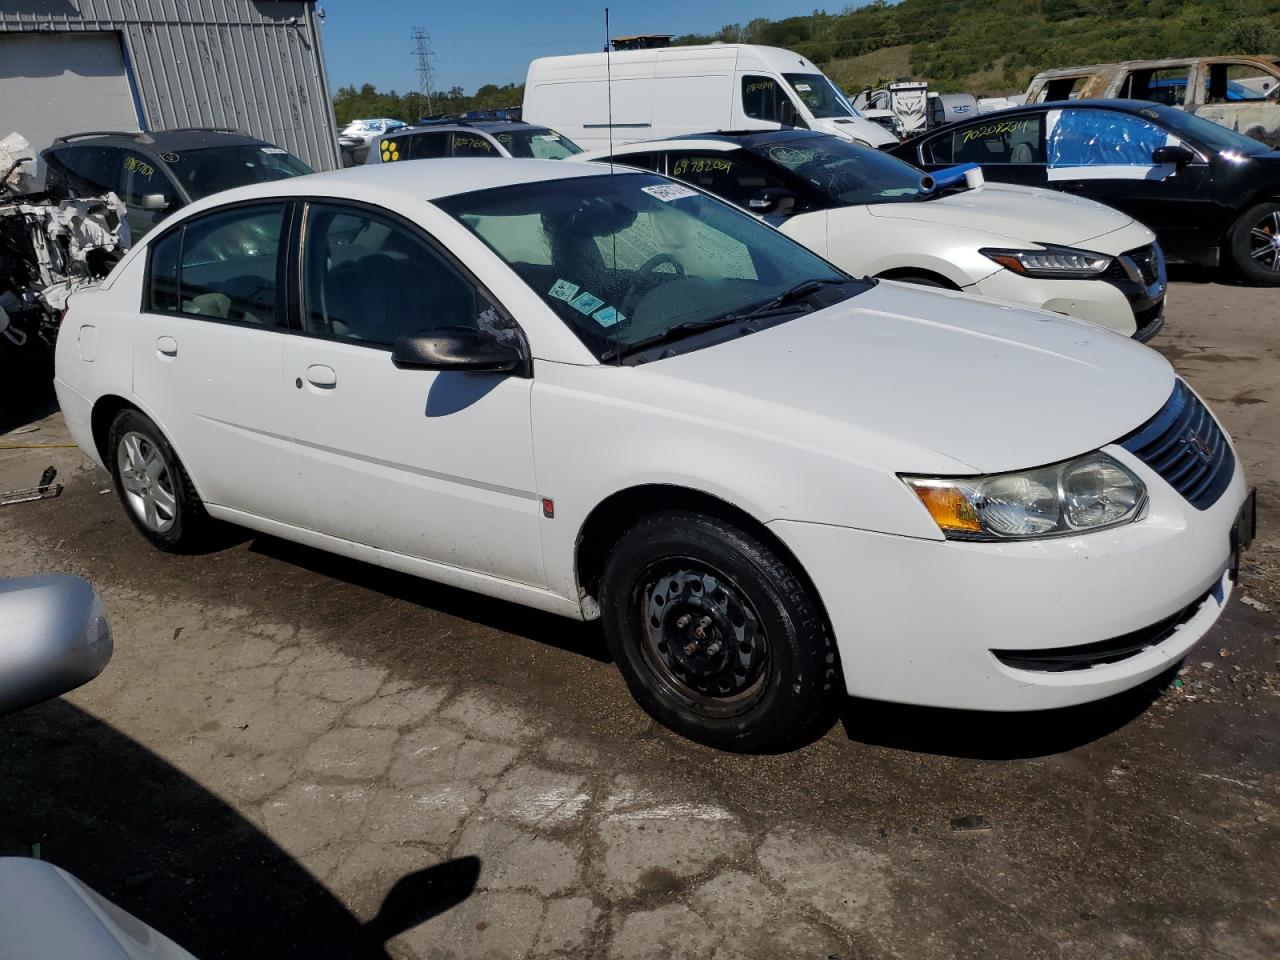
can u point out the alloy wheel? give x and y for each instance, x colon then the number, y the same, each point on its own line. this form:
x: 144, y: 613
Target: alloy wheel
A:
x: 1264, y: 239
x: 147, y: 482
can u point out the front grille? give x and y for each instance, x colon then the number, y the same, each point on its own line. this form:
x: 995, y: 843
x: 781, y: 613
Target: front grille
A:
x: 1185, y: 445
x: 1149, y: 322
x: 1084, y: 656
x: 1146, y: 260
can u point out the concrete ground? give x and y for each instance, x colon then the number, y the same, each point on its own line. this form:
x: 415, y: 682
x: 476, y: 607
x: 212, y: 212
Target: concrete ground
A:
x: 297, y: 755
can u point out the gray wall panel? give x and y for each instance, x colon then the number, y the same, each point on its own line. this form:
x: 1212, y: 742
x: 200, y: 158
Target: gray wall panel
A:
x: 256, y: 65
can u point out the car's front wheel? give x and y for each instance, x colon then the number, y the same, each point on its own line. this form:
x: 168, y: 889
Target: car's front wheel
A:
x: 716, y: 635
x: 153, y: 485
x: 1255, y: 243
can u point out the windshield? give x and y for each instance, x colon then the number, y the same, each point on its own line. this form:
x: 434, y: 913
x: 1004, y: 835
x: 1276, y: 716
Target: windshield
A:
x: 843, y: 173
x: 538, y: 143
x: 1206, y: 132
x: 626, y: 258
x: 211, y: 169
x: 820, y: 95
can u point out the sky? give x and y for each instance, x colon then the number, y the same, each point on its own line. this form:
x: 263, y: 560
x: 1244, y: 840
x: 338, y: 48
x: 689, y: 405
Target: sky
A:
x: 492, y: 41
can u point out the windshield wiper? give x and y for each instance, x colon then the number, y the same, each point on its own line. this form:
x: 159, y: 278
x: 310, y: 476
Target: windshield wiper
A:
x: 788, y: 297
x: 676, y: 332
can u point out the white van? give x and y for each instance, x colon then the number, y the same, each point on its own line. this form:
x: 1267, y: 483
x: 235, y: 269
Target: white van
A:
x: 670, y: 91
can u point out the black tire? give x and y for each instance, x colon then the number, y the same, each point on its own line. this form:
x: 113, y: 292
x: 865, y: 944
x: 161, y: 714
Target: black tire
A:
x: 1254, y: 243
x: 676, y: 574
x: 185, y: 526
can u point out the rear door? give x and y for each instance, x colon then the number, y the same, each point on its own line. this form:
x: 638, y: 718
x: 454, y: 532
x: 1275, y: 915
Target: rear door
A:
x: 207, y: 355
x: 433, y: 465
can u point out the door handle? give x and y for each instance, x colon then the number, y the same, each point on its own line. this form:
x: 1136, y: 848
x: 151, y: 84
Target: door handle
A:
x: 167, y: 346
x: 320, y: 375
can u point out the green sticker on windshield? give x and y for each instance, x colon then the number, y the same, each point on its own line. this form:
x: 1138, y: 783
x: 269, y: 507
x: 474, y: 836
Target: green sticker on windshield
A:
x: 608, y: 317
x: 563, y: 290
x: 586, y: 303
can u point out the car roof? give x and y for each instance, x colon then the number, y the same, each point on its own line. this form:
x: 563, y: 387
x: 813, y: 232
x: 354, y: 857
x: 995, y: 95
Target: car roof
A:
x: 164, y: 141
x: 484, y: 126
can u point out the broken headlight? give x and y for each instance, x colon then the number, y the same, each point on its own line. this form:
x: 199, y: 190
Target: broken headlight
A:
x: 1088, y: 493
x: 1051, y: 262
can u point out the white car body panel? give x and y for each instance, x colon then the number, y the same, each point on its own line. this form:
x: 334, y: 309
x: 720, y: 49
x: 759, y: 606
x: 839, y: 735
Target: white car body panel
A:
x: 804, y: 426
x: 668, y: 91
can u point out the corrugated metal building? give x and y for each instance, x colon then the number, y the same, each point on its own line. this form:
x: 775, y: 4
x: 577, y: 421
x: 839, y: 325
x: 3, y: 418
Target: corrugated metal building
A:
x: 68, y: 66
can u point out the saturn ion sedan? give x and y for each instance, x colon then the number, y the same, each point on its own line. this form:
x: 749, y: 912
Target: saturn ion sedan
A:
x: 612, y: 396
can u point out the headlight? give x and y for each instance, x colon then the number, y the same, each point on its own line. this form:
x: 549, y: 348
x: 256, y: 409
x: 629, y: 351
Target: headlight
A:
x: 1051, y: 262
x: 1089, y: 493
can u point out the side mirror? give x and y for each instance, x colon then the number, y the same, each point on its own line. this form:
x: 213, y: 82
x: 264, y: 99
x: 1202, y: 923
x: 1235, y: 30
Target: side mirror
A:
x: 56, y: 638
x: 787, y: 115
x: 456, y: 348
x: 1177, y: 155
x: 154, y: 201
x: 772, y: 200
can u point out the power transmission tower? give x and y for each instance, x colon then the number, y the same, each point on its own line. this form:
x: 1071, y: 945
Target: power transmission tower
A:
x: 422, y: 50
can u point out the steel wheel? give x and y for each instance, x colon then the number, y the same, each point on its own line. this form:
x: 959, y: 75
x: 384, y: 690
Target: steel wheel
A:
x: 147, y: 482
x: 1264, y: 240
x: 703, y: 639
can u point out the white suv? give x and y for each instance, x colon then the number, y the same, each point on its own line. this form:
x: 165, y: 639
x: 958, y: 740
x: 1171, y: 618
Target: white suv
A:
x: 612, y: 396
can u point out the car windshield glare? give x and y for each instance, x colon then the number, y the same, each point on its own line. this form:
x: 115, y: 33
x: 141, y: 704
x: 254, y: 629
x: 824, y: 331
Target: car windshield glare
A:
x: 213, y: 169
x: 537, y: 144
x: 626, y: 258
x: 844, y: 173
x: 820, y: 95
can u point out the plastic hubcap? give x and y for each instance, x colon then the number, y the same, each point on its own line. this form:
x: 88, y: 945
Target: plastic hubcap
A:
x: 148, y: 486
x: 704, y: 638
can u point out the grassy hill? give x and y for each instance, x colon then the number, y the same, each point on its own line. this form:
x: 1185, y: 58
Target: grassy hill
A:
x: 996, y: 46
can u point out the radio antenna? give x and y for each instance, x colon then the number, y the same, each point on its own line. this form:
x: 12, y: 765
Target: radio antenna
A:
x: 613, y: 237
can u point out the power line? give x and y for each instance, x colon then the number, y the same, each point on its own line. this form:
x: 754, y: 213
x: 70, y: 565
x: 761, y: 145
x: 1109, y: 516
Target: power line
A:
x: 422, y: 50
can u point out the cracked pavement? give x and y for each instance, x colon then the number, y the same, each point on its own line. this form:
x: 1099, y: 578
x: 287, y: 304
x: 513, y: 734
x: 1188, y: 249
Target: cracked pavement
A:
x: 293, y: 754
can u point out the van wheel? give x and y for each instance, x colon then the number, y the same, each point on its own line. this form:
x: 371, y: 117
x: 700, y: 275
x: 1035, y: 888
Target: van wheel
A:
x: 1255, y: 243
x: 153, y: 485
x: 717, y: 637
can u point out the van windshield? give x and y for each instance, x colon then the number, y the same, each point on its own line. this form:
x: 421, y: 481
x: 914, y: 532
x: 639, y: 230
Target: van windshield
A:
x: 632, y: 261
x: 820, y: 95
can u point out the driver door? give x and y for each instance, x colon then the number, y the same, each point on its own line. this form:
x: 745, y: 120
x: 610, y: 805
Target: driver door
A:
x: 428, y: 464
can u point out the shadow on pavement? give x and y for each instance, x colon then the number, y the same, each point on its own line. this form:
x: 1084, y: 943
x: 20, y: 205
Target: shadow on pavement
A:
x: 545, y: 628
x: 976, y: 735
x: 159, y: 845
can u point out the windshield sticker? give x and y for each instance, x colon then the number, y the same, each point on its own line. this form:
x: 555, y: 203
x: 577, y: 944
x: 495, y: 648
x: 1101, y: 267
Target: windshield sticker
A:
x: 803, y: 87
x: 701, y: 165
x: 274, y: 150
x: 390, y: 151
x: 586, y: 303
x: 546, y: 136
x: 563, y: 290
x: 608, y: 317
x: 169, y: 157
x: 140, y: 167
x: 666, y: 192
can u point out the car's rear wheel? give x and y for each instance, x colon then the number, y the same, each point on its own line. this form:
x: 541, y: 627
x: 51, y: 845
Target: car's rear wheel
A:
x: 1255, y: 243
x: 153, y: 485
x: 716, y: 635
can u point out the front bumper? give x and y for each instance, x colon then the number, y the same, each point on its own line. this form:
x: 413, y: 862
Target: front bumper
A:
x: 920, y: 621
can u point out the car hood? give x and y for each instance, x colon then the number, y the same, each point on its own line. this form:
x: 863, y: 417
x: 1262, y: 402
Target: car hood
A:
x: 1024, y: 214
x: 991, y: 387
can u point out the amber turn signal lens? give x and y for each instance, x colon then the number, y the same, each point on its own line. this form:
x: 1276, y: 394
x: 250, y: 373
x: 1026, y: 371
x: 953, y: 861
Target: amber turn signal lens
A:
x: 949, y: 507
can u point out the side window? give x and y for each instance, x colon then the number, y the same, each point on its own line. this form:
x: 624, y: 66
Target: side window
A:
x: 1236, y: 82
x: 761, y: 98
x: 640, y: 161
x: 226, y: 265
x: 371, y: 280
x: 1016, y: 140
x: 1101, y: 138
x: 139, y: 178
x: 722, y: 174
x: 472, y: 145
x: 1167, y: 86
x: 937, y: 150
x: 426, y: 146
x: 1062, y: 88
x: 84, y: 171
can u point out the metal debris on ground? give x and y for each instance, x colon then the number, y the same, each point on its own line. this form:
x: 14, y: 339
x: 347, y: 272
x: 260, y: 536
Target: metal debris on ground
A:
x: 46, y: 489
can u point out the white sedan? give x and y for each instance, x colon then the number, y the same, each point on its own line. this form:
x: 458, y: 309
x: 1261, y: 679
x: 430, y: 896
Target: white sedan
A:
x: 867, y: 213
x: 614, y: 397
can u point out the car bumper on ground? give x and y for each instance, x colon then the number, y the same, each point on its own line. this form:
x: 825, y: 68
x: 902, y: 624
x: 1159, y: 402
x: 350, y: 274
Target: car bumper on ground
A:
x: 1026, y: 625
